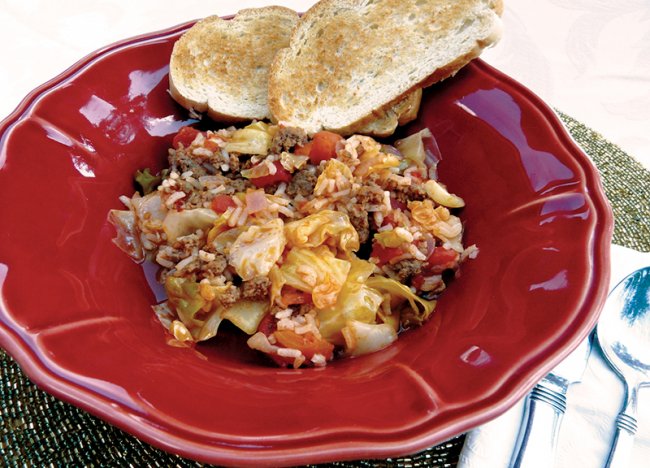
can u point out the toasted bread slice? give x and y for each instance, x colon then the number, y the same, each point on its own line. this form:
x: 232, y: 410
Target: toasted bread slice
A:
x: 401, y: 113
x: 221, y: 66
x: 351, y: 59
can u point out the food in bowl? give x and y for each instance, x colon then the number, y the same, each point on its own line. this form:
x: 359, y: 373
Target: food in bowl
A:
x: 314, y: 247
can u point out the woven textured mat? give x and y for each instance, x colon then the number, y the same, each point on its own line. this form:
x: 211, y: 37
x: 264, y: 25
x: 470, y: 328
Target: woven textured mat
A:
x: 38, y: 430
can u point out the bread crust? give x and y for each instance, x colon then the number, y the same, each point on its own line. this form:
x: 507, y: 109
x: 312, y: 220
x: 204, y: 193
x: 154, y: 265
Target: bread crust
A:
x: 331, y: 24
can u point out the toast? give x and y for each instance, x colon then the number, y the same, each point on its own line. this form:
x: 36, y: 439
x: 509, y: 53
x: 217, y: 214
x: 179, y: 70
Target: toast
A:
x: 221, y: 66
x: 350, y: 60
x: 398, y: 114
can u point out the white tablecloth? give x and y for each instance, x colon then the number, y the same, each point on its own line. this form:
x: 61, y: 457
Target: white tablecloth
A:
x: 588, y: 58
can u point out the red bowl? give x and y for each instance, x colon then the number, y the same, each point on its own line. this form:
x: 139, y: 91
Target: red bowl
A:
x: 75, y: 312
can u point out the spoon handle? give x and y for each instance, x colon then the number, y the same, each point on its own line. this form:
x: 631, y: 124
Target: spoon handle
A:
x: 626, y: 426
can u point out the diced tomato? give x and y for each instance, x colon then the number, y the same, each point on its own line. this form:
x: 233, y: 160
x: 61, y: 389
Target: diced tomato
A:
x: 417, y: 176
x: 185, y: 137
x: 291, y: 296
x: 308, y: 344
x: 441, y: 259
x: 303, y: 150
x: 267, y: 325
x: 221, y: 203
x: 417, y: 281
x: 397, y: 204
x: 211, y: 145
x: 384, y: 254
x: 281, y: 175
x: 323, y: 146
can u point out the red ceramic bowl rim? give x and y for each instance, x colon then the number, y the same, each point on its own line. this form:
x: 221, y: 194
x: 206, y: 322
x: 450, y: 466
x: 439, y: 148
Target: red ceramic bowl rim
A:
x: 102, y: 407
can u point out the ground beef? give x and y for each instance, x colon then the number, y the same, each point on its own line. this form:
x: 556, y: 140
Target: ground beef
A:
x: 180, y: 161
x: 359, y: 219
x: 214, y: 267
x: 271, y: 189
x: 406, y: 193
x: 187, y: 244
x: 236, y: 184
x: 247, y: 163
x: 256, y: 289
x: 229, y: 296
x: 404, y: 270
x: 370, y: 194
x: 303, y: 182
x: 233, y: 163
x: 286, y: 138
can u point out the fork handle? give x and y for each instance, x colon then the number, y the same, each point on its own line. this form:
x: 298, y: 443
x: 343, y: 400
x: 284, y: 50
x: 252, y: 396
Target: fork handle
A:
x: 626, y: 427
x: 537, y: 439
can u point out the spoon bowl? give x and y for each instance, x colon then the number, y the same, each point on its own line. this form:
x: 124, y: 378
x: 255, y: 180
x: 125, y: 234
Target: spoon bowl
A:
x: 624, y: 336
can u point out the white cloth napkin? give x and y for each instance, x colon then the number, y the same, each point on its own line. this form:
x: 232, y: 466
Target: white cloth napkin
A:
x: 588, y: 426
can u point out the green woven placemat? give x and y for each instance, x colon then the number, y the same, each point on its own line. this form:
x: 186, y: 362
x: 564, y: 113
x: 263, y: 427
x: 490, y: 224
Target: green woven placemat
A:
x: 36, y: 429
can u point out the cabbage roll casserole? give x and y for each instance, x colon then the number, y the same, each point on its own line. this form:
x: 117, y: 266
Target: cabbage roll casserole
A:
x: 315, y: 247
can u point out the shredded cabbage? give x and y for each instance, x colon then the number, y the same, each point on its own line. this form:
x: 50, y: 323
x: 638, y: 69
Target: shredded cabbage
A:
x: 375, y: 161
x: 363, y: 338
x: 257, y: 249
x: 390, y: 238
x: 253, y: 139
x: 291, y: 162
x: 356, y: 301
x: 337, y: 171
x: 182, y: 223
x: 128, y: 237
x: 186, y: 300
x: 412, y: 147
x: 316, y: 271
x: 439, y: 222
x: 200, y: 312
x: 150, y: 211
x: 246, y: 315
x: 220, y: 239
x: 420, y: 308
x: 277, y: 282
x: 326, y: 227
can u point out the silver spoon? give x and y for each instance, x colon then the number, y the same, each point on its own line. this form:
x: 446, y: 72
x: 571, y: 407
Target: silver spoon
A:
x: 624, y: 337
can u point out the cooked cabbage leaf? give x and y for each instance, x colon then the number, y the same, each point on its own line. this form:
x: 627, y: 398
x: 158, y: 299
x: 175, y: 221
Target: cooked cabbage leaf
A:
x: 128, y: 234
x: 336, y: 171
x: 363, y: 338
x: 392, y: 237
x: 356, y: 301
x: 316, y: 271
x: 257, y: 249
x: 201, y: 315
x: 246, y: 315
x: 253, y: 139
x: 182, y: 223
x: 325, y: 227
x: 412, y: 147
x: 420, y: 308
x: 150, y: 211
